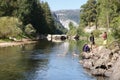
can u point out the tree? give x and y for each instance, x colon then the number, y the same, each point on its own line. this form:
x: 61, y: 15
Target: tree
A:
x: 88, y: 13
x: 7, y: 7
x: 32, y: 12
x: 10, y: 28
x: 48, y: 17
x: 72, y: 29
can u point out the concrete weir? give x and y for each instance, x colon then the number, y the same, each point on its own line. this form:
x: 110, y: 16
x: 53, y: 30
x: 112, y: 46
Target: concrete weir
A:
x: 56, y: 37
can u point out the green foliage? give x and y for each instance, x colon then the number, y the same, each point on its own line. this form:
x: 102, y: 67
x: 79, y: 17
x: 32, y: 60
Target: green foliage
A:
x: 72, y: 45
x: 72, y: 29
x: 80, y: 44
x: 7, y: 7
x: 48, y: 18
x: 109, y: 13
x: 29, y: 30
x: 29, y: 12
x: 60, y: 29
x: 80, y: 31
x: 9, y: 27
x: 76, y: 45
x: 24, y: 10
x: 88, y: 13
x: 102, y: 13
x: 97, y: 33
x: 116, y: 28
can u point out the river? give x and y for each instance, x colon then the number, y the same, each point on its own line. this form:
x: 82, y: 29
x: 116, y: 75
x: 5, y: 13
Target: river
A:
x: 42, y: 61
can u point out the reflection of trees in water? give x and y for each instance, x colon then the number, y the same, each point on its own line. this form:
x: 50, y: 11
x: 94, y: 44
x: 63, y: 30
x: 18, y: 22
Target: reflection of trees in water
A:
x: 72, y: 45
x: 9, y: 63
x: 43, y: 45
x: 73, y: 48
x: 76, y: 46
x: 35, y: 57
x: 22, y: 62
x: 80, y: 45
x: 32, y: 66
x: 14, y: 61
x: 64, y: 47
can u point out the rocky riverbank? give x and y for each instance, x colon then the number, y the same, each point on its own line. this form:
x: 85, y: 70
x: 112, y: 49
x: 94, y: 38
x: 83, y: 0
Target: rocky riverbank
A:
x: 15, y: 43
x: 102, y: 61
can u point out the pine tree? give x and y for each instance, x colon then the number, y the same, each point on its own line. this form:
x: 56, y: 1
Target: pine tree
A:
x: 48, y: 18
x: 88, y: 13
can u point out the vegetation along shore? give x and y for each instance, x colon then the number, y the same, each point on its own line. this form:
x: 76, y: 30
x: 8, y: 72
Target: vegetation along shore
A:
x: 24, y: 21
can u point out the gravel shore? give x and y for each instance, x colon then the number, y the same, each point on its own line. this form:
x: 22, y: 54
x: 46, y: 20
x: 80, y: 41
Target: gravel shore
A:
x: 15, y: 43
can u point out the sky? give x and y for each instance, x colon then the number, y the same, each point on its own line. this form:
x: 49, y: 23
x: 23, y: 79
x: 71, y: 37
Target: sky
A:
x: 63, y: 4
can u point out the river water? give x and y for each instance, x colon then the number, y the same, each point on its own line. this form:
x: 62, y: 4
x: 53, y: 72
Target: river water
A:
x: 43, y: 61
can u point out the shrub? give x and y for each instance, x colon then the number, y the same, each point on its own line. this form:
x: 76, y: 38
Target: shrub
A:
x: 96, y: 33
x: 9, y: 27
x: 116, y: 28
x: 30, y: 30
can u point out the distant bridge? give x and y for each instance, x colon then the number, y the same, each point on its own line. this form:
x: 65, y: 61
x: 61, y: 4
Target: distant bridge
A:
x: 57, y: 37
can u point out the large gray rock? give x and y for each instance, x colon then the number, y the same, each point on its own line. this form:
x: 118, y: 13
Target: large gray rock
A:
x: 116, y: 71
x: 98, y: 72
x: 87, y: 64
x: 103, y: 62
x: 108, y: 73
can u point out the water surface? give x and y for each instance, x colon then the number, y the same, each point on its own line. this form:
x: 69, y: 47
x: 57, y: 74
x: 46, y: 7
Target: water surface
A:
x: 42, y: 61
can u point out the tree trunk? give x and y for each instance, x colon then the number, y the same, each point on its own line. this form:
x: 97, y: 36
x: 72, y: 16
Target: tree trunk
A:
x: 96, y: 23
x: 108, y: 22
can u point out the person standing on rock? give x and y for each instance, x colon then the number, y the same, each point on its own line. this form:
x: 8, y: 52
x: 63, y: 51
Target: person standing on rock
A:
x: 92, y: 40
x: 104, y: 38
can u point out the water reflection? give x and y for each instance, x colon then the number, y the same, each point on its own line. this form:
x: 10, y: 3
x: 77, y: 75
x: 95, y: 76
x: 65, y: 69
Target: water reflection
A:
x: 63, y: 49
x: 42, y: 61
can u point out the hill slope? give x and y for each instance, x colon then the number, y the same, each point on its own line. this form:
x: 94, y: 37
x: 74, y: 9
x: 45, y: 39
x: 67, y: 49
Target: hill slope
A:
x: 67, y: 16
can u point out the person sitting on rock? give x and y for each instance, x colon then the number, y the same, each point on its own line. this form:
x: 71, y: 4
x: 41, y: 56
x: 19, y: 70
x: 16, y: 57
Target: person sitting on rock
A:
x: 86, y: 48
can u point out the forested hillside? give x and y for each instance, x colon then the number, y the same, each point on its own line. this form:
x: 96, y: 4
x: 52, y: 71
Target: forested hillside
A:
x: 102, y: 13
x: 60, y: 29
x: 67, y: 16
x: 29, y: 17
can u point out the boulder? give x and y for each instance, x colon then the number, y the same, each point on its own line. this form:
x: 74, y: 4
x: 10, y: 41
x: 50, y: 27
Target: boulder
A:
x: 87, y: 64
x: 86, y: 55
x: 98, y: 72
x: 116, y: 49
x: 108, y: 73
x: 116, y: 73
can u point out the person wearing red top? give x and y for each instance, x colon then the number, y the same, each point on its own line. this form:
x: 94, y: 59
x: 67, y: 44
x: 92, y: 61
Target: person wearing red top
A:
x: 105, y: 38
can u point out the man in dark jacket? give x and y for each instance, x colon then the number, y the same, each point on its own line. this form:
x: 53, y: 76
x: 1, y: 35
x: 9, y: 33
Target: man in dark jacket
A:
x: 92, y: 40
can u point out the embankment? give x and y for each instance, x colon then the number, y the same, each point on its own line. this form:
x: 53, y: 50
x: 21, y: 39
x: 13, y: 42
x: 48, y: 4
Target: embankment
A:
x: 103, y: 62
x: 15, y: 43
